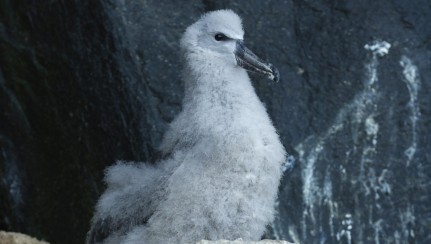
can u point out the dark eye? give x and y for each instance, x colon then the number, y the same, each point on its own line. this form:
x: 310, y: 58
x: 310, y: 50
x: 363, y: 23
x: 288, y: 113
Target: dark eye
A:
x: 220, y: 37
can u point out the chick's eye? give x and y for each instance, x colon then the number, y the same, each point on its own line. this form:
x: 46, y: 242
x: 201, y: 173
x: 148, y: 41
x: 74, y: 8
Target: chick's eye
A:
x: 220, y: 37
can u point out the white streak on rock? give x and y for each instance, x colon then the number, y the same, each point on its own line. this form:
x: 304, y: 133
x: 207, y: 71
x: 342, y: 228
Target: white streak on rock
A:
x: 411, y: 78
x: 380, y: 48
x: 360, y: 113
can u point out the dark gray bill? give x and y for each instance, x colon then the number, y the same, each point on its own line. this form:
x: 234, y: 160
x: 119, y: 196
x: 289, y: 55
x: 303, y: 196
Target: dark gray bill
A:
x: 249, y: 61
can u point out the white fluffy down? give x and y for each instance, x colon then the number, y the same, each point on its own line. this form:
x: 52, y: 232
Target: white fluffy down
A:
x: 223, y: 156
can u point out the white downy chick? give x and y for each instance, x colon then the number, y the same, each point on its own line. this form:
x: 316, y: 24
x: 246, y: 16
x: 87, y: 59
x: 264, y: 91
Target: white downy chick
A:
x: 222, y: 156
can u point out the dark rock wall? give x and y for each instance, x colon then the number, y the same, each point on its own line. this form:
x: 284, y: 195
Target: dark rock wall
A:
x: 83, y: 83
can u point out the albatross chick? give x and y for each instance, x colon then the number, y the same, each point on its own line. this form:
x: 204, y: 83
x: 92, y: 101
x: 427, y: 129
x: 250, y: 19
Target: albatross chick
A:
x: 222, y: 157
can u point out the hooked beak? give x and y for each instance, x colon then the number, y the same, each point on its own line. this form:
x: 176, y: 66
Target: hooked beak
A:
x: 249, y: 61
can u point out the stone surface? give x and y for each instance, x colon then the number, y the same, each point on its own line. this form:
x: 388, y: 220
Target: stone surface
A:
x: 18, y: 238
x: 83, y: 83
x: 243, y: 242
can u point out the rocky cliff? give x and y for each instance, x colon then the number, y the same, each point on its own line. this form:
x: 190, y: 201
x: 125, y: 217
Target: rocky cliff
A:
x: 84, y: 83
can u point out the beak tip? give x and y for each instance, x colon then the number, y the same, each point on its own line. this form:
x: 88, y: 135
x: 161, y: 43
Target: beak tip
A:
x: 275, y: 74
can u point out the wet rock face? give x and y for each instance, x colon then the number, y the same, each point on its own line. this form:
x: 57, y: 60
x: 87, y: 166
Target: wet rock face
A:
x: 85, y: 83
